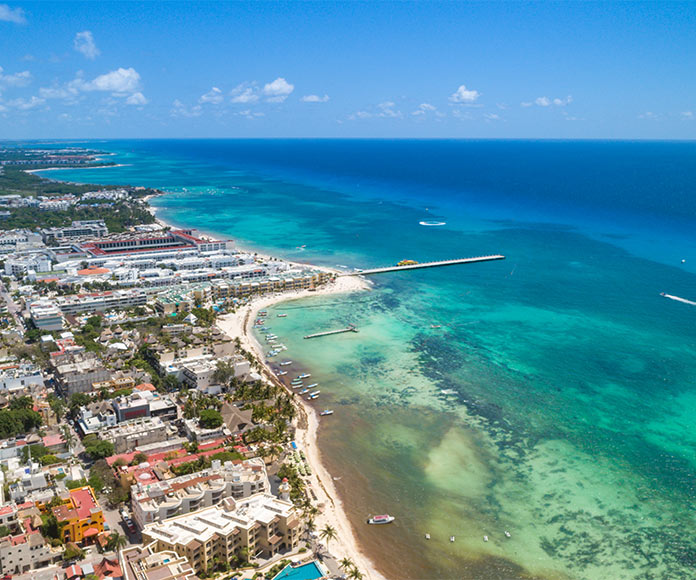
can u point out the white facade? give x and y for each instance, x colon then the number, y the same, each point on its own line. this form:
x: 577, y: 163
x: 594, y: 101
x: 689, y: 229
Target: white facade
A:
x: 157, y: 501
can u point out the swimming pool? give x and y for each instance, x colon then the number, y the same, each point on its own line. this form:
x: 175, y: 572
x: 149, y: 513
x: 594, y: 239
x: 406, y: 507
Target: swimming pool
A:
x: 310, y: 571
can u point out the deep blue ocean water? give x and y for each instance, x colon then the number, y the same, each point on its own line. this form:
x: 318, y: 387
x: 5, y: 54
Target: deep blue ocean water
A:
x: 555, y: 396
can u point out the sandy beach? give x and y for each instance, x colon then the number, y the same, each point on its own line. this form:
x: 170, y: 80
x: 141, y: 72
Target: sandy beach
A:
x: 239, y: 325
x: 80, y: 168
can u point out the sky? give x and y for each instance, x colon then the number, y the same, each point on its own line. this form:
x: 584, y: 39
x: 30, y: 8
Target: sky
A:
x: 348, y: 69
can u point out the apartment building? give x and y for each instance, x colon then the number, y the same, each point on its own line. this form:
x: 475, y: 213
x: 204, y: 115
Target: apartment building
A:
x: 157, y: 501
x: 262, y: 523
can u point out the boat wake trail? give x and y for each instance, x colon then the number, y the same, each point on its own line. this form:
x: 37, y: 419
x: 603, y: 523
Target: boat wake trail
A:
x: 427, y: 223
x: 684, y: 300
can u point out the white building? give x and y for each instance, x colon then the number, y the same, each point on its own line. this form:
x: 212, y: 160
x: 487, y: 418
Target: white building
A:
x: 46, y: 315
x: 19, y: 266
x: 159, y: 500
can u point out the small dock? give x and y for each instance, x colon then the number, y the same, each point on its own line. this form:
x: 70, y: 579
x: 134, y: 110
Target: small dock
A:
x: 349, y: 328
x: 424, y: 265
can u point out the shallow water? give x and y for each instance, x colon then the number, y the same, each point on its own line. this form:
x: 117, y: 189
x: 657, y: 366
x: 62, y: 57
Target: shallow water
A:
x: 556, y: 399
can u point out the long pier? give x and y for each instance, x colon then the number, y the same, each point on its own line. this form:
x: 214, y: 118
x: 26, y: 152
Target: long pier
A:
x: 349, y: 328
x: 424, y: 265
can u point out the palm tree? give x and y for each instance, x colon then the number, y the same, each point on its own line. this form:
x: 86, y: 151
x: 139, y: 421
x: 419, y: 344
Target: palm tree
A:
x: 68, y: 436
x: 327, y: 534
x: 355, y: 574
x: 346, y: 564
x: 116, y: 541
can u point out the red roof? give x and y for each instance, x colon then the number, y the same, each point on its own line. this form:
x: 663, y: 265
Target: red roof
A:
x: 84, y: 501
x: 51, y: 440
x: 89, y: 532
x: 93, y: 271
x: 72, y: 571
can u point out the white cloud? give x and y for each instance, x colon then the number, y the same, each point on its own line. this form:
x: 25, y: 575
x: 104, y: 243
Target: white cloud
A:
x: 386, y: 109
x: 121, y: 80
x: 526, y: 104
x: 20, y: 79
x: 25, y: 104
x: 213, y: 96
x: 278, y: 90
x: 244, y: 94
x: 491, y: 117
x: 464, y: 95
x: 547, y: 102
x: 649, y: 116
x: 137, y: 99
x: 688, y: 115
x: 315, y: 99
x: 424, y: 108
x: 180, y: 110
x: 84, y: 43
x: 15, y: 15
x: 249, y: 114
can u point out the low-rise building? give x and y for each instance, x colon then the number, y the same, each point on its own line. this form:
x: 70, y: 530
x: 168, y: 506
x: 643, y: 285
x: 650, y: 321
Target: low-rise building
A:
x: 159, y: 500
x: 78, y: 229
x: 101, y: 301
x: 80, y: 516
x: 197, y: 433
x: 79, y: 375
x: 46, y: 315
x: 19, y: 266
x: 262, y: 524
x: 20, y: 553
x: 131, y: 434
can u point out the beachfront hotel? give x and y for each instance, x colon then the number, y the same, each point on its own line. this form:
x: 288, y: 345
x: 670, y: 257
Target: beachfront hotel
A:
x: 262, y: 523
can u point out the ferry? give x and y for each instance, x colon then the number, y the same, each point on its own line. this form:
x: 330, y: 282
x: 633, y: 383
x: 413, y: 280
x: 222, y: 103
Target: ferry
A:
x: 282, y: 315
x: 383, y: 519
x: 281, y: 373
x: 326, y: 412
x: 286, y: 363
x: 304, y: 376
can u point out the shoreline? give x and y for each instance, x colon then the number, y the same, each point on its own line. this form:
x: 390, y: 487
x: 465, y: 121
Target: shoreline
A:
x: 238, y: 325
x: 331, y: 511
x: 73, y: 168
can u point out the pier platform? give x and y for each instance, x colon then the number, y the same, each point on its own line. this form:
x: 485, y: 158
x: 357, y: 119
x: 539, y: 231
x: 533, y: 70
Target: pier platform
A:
x: 349, y: 328
x: 424, y: 265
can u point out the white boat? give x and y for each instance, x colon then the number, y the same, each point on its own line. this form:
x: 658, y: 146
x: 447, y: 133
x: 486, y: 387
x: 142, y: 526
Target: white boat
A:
x: 383, y: 519
x: 285, y: 363
x: 315, y: 392
x: 312, y: 385
x: 312, y: 397
x: 304, y: 376
x: 303, y: 391
x: 299, y: 386
x: 427, y: 536
x: 451, y: 538
x: 507, y: 534
x: 485, y: 538
x: 282, y: 315
x: 282, y: 373
x: 326, y: 412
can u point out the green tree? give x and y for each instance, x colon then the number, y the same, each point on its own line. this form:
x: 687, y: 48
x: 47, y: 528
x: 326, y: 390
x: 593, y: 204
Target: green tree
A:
x: 4, y: 531
x: 210, y: 419
x: 72, y: 552
x: 68, y: 436
x: 346, y: 564
x: 99, y: 449
x: 139, y: 458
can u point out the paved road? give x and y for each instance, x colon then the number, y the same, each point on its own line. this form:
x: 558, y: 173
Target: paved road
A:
x: 12, y: 307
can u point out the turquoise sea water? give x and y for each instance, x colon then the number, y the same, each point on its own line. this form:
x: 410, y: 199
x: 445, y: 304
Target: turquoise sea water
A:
x: 551, y: 395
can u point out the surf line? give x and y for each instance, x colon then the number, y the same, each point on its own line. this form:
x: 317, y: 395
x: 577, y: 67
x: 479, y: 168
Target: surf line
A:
x: 684, y: 300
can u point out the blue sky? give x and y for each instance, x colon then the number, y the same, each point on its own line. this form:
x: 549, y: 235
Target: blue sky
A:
x: 351, y: 69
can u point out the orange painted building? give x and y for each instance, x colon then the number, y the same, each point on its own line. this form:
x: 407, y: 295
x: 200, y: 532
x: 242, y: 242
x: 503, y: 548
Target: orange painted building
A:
x: 82, y: 514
